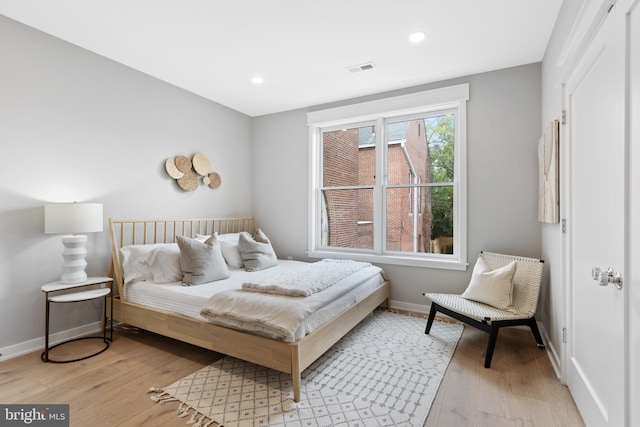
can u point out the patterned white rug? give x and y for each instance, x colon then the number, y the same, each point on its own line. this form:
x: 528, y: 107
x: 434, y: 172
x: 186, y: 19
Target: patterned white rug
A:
x: 385, y: 372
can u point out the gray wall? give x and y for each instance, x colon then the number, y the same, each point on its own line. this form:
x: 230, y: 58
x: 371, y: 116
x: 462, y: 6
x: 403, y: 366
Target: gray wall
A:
x: 503, y: 131
x: 76, y: 126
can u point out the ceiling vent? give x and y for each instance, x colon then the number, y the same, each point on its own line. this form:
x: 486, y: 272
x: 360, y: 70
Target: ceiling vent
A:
x: 362, y: 67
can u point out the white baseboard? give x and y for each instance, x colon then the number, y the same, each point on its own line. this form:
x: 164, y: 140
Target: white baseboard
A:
x: 554, y: 358
x: 38, y: 343
x: 414, y: 308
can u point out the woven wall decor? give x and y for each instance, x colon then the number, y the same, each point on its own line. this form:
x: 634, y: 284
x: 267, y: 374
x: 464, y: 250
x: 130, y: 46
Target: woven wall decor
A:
x: 188, y: 171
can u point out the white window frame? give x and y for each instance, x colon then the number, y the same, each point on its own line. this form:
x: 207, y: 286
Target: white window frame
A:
x: 448, y: 98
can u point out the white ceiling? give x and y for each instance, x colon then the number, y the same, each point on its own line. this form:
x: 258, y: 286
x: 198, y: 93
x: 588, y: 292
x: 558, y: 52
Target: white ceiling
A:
x: 301, y: 48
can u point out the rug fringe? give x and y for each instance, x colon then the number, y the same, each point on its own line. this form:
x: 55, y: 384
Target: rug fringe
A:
x: 198, y: 423
x: 183, y: 409
x: 182, y: 413
x: 194, y: 420
x: 162, y: 397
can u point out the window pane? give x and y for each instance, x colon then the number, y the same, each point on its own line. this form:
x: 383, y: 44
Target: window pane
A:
x: 347, y: 218
x: 421, y: 150
x: 442, y: 223
x: 349, y: 157
x: 404, y: 229
x: 420, y: 219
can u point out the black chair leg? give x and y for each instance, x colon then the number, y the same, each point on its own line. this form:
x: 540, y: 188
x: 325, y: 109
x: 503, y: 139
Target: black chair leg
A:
x: 536, y: 332
x: 432, y: 315
x: 491, y: 345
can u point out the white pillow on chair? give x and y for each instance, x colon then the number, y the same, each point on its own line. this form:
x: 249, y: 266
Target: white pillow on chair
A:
x: 492, y: 287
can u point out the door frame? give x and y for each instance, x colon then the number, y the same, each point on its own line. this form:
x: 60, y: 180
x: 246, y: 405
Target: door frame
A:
x: 589, y: 19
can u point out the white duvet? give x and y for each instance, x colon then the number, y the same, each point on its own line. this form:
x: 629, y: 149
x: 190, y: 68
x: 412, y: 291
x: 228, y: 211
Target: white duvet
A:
x: 279, y: 315
x: 307, y: 279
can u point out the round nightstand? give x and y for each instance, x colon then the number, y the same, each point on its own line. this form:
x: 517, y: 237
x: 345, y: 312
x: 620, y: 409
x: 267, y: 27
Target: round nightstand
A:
x: 56, y: 288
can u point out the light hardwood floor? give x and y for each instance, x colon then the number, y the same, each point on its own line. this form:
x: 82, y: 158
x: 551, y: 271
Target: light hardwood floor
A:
x: 110, y: 389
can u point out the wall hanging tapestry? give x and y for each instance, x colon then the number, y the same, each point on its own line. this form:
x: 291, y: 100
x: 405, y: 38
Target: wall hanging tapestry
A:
x: 549, y: 174
x: 386, y: 371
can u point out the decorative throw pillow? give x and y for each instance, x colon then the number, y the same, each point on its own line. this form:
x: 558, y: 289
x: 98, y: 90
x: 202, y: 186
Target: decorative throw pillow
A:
x: 492, y: 287
x: 257, y: 253
x: 164, y: 264
x: 230, y: 249
x: 201, y: 262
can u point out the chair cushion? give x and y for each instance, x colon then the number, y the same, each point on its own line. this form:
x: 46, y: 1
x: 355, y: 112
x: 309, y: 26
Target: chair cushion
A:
x: 492, y: 287
x: 475, y: 310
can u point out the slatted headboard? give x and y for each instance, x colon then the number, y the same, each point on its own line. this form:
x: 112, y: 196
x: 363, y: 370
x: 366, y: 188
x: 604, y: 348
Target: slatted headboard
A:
x: 149, y: 231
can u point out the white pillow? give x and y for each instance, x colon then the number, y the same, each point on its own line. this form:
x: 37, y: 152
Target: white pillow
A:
x: 230, y: 249
x: 492, y: 287
x: 164, y: 264
x: 134, y: 259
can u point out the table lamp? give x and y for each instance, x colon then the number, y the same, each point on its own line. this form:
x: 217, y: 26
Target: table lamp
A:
x: 73, y: 218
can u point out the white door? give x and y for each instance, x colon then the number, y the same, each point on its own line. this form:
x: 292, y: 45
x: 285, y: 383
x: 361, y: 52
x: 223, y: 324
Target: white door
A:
x: 596, y: 154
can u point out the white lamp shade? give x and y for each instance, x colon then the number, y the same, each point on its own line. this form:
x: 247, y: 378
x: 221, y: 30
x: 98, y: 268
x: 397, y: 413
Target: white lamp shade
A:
x: 72, y: 218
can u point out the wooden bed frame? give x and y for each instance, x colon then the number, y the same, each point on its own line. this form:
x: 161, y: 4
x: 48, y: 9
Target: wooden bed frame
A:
x: 291, y: 358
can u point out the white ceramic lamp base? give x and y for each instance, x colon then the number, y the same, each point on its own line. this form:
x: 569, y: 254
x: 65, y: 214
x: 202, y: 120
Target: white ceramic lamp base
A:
x: 74, y: 263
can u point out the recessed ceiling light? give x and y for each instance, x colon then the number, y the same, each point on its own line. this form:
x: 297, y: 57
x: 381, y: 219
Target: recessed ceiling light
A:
x: 257, y: 80
x: 416, y: 37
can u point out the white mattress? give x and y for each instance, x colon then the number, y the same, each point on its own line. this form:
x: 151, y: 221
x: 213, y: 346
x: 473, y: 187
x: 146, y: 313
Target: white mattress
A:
x: 189, y: 300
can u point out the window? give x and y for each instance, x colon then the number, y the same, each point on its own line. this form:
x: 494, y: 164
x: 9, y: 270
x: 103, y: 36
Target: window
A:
x: 388, y: 180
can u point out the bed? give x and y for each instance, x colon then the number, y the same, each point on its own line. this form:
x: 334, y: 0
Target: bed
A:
x: 144, y: 304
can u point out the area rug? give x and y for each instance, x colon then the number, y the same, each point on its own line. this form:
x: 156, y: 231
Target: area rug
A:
x: 385, y: 372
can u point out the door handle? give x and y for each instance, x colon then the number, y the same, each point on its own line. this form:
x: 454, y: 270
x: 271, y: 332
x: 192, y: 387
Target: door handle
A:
x: 605, y: 277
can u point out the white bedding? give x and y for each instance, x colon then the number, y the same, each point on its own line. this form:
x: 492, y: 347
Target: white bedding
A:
x: 311, y: 312
x: 308, y: 279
